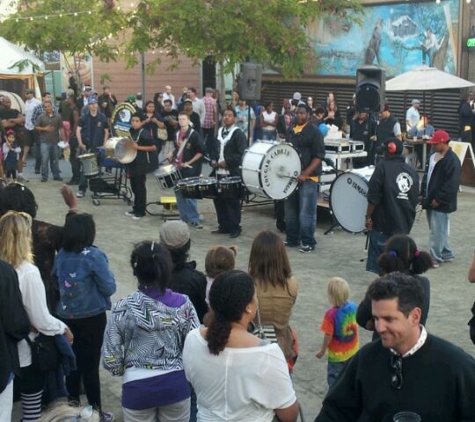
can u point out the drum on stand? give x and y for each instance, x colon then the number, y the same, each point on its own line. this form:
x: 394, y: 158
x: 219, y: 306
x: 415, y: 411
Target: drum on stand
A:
x: 90, y: 167
x: 167, y: 176
x: 348, y: 198
x: 270, y: 169
x: 189, y: 188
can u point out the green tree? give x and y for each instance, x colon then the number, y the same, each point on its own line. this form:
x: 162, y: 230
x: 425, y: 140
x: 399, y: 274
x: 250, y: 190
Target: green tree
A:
x: 271, y: 32
x: 73, y: 26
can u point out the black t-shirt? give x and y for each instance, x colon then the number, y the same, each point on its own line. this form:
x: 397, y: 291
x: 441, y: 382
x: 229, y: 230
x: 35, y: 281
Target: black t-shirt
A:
x: 167, y: 117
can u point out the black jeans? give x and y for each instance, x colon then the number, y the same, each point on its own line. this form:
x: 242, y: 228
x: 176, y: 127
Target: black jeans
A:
x: 73, y: 158
x: 88, y: 334
x: 137, y: 184
x: 229, y: 214
x: 208, y: 137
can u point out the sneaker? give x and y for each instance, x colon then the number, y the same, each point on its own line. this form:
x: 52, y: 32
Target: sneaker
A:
x: 196, y: 225
x: 58, y: 179
x: 73, y: 182
x: 130, y: 213
x: 22, y: 178
x: 290, y: 245
x: 137, y: 217
x: 306, y: 248
x: 435, y: 264
x: 107, y: 417
x: 448, y: 259
x: 80, y: 194
x: 44, y: 180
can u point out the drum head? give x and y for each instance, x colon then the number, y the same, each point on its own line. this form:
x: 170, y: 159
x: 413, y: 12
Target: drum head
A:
x: 348, y: 200
x: 277, y: 166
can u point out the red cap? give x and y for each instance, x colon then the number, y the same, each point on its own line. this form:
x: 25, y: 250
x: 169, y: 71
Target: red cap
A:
x: 439, y: 137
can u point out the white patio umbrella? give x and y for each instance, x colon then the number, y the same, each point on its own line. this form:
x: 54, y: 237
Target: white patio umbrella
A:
x: 425, y: 78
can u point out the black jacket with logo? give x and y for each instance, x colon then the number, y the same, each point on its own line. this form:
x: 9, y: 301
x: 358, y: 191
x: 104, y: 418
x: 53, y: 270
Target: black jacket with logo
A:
x: 394, y: 190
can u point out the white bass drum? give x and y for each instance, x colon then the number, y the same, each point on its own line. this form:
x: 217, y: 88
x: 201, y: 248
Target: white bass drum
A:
x: 348, y: 198
x: 271, y: 169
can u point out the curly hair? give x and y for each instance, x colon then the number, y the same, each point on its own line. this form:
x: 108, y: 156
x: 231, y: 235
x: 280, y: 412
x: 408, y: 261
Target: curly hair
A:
x: 230, y: 293
x: 401, y: 254
x: 17, y: 197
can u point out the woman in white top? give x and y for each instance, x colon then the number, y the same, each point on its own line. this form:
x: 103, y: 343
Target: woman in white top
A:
x: 237, y: 376
x: 269, y: 119
x: 15, y: 248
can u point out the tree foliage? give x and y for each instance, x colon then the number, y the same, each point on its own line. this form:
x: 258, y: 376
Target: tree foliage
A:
x: 271, y: 32
x: 72, y: 26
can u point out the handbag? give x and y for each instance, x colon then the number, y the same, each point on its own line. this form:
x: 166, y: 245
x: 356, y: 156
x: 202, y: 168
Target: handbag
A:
x: 264, y: 332
x: 44, y: 353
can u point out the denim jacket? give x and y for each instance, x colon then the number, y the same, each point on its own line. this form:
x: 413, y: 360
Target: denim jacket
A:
x: 84, y: 281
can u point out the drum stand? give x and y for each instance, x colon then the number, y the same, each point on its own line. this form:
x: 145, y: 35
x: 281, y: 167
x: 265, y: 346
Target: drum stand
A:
x: 252, y: 200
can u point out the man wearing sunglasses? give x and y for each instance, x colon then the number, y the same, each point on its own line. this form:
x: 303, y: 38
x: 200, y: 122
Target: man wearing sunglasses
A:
x: 408, y: 370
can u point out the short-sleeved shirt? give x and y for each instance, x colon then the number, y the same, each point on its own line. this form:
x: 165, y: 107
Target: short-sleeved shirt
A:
x: 45, y: 120
x: 92, y: 129
x: 240, y: 384
x: 308, y: 141
x: 413, y: 116
x: 340, y: 323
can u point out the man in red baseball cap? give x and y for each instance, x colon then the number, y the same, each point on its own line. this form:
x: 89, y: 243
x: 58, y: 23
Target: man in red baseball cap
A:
x: 439, y: 190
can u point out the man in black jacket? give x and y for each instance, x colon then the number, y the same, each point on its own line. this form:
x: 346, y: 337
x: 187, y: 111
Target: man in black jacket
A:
x: 392, y: 199
x: 14, y: 326
x: 439, y: 194
x: 226, y: 157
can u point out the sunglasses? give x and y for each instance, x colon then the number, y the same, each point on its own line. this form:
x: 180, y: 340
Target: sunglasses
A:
x: 396, y: 365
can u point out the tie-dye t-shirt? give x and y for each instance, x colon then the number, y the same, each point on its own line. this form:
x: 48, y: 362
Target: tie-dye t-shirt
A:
x: 340, y: 323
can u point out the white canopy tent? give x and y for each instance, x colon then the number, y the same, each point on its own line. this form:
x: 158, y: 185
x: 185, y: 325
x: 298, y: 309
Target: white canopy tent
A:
x: 30, y: 68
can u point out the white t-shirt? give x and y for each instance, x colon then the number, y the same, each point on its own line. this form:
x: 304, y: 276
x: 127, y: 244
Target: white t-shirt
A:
x: 239, y: 384
x: 34, y: 300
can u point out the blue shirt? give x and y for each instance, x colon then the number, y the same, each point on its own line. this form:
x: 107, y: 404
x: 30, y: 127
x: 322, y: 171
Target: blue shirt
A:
x: 92, y: 129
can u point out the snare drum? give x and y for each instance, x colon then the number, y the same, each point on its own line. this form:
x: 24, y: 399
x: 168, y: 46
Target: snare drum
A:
x: 190, y: 188
x: 208, y: 188
x: 167, y: 176
x: 348, y: 198
x: 89, y: 164
x: 230, y: 187
x: 271, y: 169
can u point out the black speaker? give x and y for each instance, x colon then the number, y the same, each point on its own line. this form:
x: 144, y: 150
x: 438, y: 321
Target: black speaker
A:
x: 249, y: 85
x: 370, y: 89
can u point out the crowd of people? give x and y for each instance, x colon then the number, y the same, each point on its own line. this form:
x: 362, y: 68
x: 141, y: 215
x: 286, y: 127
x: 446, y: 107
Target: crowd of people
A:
x: 219, y: 345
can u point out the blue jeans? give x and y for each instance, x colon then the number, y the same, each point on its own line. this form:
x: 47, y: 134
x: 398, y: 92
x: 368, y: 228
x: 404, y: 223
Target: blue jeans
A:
x: 377, y: 242
x: 268, y: 135
x: 301, y: 214
x: 188, y: 208
x: 49, y: 152
x: 333, y: 370
x: 439, y: 231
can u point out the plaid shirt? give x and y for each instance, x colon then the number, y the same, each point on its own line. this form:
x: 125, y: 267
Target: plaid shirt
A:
x: 210, y: 112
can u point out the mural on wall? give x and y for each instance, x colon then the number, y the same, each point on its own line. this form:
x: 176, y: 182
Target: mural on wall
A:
x: 396, y: 37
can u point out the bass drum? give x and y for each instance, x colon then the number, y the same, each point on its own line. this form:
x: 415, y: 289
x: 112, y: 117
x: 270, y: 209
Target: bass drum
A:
x: 348, y: 198
x: 271, y: 169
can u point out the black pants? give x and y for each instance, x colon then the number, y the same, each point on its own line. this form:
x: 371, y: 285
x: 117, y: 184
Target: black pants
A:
x: 38, y: 152
x: 229, y: 214
x: 73, y: 158
x: 88, y: 334
x: 137, y: 184
x: 208, y: 136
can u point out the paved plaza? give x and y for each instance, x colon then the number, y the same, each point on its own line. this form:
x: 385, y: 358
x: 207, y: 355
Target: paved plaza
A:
x: 337, y: 254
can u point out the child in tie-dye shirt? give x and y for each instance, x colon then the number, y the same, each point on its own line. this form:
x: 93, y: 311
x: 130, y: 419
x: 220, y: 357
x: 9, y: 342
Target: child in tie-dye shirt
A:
x: 340, y: 328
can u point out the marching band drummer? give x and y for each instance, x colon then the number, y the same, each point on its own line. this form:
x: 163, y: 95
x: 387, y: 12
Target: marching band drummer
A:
x: 189, y: 150
x: 145, y: 161
x: 226, y: 156
x: 301, y: 206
